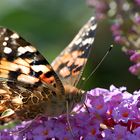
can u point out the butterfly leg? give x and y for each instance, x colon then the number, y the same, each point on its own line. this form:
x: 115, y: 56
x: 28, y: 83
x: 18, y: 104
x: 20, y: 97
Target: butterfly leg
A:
x: 86, y: 108
x: 68, y: 121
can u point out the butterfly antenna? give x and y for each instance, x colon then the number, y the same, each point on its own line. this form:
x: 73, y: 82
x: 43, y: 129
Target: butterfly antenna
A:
x: 108, y: 51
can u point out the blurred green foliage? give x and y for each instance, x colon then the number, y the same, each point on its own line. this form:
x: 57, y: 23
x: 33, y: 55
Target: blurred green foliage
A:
x: 51, y: 24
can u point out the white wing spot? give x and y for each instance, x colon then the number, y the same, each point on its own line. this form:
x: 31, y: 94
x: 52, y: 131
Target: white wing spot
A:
x: 92, y: 18
x: 93, y: 27
x: 38, y: 68
x: 7, y: 50
x: 30, y: 49
x: 14, y: 36
x: 21, y: 50
x: 4, y: 43
x: 88, y: 41
x: 6, y: 38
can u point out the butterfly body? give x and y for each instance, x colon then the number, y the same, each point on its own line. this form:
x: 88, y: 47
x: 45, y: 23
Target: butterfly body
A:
x: 30, y: 86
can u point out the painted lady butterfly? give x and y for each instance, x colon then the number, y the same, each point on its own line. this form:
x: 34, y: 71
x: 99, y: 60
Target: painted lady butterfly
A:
x: 29, y: 85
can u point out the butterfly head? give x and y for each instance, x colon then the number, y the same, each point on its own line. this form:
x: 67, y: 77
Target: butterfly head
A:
x: 74, y: 95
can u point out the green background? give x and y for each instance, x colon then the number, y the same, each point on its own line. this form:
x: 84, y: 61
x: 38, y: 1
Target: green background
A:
x: 50, y: 25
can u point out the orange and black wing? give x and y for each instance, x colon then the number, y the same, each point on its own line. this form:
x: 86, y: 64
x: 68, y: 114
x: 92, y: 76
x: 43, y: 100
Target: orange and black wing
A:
x: 26, y: 78
x: 21, y: 62
x: 70, y: 63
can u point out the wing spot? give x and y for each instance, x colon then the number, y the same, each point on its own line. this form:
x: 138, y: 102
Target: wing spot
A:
x: 14, y: 74
x: 48, y: 77
x: 54, y: 85
x: 87, y: 33
x: 30, y: 49
x: 64, y: 72
x: 35, y: 74
x: 38, y: 68
x: 14, y: 36
x: 21, y: 50
x: 48, y: 74
x: 88, y: 41
x: 6, y: 38
x: 4, y: 43
x: 93, y: 27
x: 7, y: 50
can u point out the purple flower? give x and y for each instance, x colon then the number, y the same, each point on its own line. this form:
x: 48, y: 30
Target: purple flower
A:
x: 125, y: 17
x: 123, y: 112
x: 137, y: 17
x: 129, y: 37
x: 107, y: 134
x: 135, y: 57
x: 113, y: 113
x: 120, y: 132
x: 138, y: 2
x: 92, y: 131
x: 135, y: 69
x: 5, y: 135
x: 97, y: 104
x: 101, y: 7
x: 137, y: 132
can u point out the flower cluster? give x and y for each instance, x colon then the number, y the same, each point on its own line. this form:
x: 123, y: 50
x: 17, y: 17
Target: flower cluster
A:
x: 110, y: 114
x: 138, y: 2
x: 125, y: 16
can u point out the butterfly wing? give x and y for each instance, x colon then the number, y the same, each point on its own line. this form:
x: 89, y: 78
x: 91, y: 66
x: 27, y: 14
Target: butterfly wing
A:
x: 25, y: 76
x: 21, y: 62
x: 70, y: 63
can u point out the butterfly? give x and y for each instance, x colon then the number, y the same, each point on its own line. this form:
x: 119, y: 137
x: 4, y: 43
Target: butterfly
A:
x: 29, y: 85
